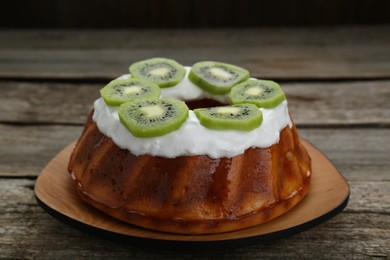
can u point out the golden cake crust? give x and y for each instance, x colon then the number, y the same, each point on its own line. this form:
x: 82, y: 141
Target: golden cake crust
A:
x: 190, y: 194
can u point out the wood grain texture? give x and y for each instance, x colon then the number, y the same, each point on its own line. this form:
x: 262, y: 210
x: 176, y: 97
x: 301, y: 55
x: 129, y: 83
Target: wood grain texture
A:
x: 59, y: 103
x: 26, y: 149
x: 352, y: 234
x: 338, y: 103
x: 277, y: 53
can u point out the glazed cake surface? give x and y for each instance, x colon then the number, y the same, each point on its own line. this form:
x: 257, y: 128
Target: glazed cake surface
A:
x: 191, y: 193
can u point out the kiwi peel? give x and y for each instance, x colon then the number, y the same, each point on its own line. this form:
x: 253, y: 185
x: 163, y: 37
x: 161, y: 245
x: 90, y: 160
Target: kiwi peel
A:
x: 153, y: 117
x: 164, y: 72
x: 216, y: 77
x: 262, y: 93
x: 122, y: 90
x: 244, y: 117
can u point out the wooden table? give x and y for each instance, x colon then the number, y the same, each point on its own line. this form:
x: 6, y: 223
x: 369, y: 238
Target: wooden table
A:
x: 338, y: 85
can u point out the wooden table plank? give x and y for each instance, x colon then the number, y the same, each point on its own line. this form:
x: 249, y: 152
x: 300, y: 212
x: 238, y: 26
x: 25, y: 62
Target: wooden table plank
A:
x: 277, y: 53
x: 25, y: 150
x: 310, y: 103
x: 360, y: 154
x: 58, y: 103
x: 338, y: 85
x: 358, y: 232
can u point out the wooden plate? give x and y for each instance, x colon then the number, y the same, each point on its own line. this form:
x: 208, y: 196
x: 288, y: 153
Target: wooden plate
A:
x: 328, y: 195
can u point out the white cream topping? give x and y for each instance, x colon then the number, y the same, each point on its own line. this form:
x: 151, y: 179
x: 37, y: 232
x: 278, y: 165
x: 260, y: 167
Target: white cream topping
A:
x: 192, y: 138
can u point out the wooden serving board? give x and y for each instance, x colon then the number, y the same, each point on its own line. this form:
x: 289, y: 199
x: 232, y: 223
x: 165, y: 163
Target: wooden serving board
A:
x: 328, y: 195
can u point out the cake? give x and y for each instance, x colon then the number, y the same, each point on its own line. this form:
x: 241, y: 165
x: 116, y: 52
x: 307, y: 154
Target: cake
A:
x: 190, y: 150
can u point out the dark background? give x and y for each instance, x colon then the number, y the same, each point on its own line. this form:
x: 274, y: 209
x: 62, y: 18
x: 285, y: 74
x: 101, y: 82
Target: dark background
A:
x: 190, y: 14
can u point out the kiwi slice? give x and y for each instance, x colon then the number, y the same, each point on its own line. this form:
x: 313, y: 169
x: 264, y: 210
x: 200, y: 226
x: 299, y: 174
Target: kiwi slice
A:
x: 216, y: 77
x: 122, y: 90
x: 245, y: 117
x: 262, y: 93
x: 163, y: 72
x: 153, y: 116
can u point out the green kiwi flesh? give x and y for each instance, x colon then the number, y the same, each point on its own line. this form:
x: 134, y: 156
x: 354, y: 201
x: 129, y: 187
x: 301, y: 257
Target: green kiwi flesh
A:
x: 216, y: 77
x: 164, y: 72
x: 262, y: 93
x: 152, y: 117
x: 244, y: 117
x: 122, y: 90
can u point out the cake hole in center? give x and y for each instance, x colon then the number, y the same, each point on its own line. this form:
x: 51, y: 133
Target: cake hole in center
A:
x: 203, y: 103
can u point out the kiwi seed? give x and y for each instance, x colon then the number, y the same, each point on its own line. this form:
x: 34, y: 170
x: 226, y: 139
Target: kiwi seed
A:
x: 152, y: 117
x: 122, y: 90
x: 262, y: 93
x: 164, y: 72
x: 245, y: 117
x: 216, y: 77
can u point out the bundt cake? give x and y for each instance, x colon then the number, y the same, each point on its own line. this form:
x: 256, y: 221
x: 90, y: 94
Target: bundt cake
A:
x: 190, y: 150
